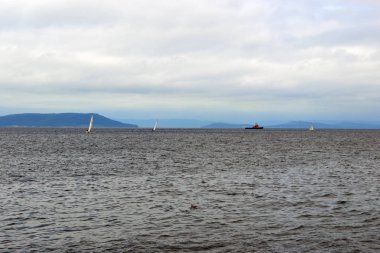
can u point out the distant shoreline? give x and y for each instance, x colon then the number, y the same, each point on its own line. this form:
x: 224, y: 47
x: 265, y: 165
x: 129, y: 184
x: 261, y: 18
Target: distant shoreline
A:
x: 190, y: 128
x: 81, y: 120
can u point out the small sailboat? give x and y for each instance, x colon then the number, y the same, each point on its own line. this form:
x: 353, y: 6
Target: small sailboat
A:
x: 155, y: 125
x: 90, y: 125
x: 311, y: 128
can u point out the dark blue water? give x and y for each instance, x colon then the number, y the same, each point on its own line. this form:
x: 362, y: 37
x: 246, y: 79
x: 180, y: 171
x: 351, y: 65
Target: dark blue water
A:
x: 189, y: 191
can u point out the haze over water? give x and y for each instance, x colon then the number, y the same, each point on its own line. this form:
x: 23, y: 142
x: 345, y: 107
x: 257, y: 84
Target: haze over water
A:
x: 131, y: 190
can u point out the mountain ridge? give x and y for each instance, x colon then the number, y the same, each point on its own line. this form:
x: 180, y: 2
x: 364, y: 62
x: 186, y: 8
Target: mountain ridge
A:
x: 319, y: 125
x: 168, y: 123
x: 60, y: 120
x: 82, y: 120
x: 303, y: 125
x: 225, y: 125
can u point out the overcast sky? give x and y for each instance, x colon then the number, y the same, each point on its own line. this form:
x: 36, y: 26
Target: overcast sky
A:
x: 226, y: 60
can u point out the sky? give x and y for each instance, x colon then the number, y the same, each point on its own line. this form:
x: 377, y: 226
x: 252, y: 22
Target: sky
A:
x: 217, y: 60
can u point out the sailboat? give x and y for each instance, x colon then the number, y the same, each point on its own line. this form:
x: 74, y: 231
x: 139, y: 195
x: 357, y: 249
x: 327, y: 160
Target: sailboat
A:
x: 155, y: 126
x: 311, y: 128
x: 90, y: 125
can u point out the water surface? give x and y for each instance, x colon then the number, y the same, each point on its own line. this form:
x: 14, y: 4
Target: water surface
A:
x: 131, y: 190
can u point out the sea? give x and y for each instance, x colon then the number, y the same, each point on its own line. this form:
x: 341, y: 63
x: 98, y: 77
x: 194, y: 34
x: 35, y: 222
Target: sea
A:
x: 189, y: 190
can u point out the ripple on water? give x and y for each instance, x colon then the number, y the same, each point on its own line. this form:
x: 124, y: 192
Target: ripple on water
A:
x: 123, y: 190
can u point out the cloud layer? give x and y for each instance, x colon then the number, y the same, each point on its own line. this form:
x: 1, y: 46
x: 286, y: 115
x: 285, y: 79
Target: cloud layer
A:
x: 217, y: 58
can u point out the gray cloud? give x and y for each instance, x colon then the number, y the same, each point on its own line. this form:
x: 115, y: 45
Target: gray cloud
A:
x: 224, y: 55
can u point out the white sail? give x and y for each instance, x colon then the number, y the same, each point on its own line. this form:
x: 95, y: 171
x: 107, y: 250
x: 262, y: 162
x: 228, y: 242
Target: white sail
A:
x: 155, y: 126
x: 311, y: 128
x: 90, y: 125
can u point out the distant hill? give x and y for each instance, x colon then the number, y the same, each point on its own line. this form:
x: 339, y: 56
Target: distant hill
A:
x: 357, y: 125
x: 225, y: 125
x: 168, y: 123
x: 341, y: 125
x: 59, y: 120
x: 301, y: 124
